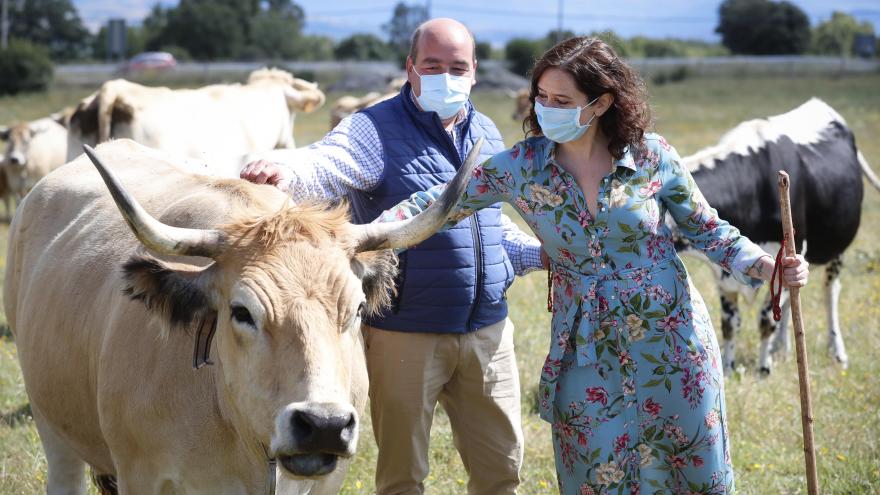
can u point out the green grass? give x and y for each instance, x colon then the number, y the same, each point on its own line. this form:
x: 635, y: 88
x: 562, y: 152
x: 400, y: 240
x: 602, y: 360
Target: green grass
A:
x: 764, y: 413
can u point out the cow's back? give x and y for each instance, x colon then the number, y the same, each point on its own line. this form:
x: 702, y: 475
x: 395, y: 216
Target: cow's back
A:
x: 83, y: 345
x: 216, y: 123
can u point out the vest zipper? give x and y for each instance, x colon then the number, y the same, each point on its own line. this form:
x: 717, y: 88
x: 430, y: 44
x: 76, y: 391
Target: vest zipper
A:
x: 478, y: 260
x: 475, y: 229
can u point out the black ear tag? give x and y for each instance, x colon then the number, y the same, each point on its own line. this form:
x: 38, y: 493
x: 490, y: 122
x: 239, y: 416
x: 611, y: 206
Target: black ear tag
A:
x: 204, y: 336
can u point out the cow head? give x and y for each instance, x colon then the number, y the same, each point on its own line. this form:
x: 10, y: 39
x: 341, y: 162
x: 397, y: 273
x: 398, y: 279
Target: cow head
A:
x: 288, y: 289
x: 18, y: 141
x: 301, y: 95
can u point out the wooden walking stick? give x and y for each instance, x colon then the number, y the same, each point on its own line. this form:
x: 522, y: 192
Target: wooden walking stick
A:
x: 800, y: 345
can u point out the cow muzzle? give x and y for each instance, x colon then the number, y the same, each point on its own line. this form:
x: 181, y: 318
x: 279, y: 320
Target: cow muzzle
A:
x: 310, y: 437
x: 17, y: 160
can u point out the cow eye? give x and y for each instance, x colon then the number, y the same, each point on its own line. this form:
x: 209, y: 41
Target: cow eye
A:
x: 242, y: 315
x: 357, y: 316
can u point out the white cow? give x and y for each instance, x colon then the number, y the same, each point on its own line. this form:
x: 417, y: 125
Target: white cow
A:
x: 217, y: 124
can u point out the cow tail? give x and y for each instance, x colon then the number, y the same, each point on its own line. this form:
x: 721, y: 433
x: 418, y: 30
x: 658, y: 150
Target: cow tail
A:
x: 869, y: 173
x: 106, y: 101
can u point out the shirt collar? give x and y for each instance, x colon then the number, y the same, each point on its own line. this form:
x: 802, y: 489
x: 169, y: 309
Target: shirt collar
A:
x: 625, y: 161
x: 462, y: 113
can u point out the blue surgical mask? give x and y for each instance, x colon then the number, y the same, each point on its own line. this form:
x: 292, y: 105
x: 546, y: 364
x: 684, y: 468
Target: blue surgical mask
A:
x: 443, y: 93
x: 562, y: 124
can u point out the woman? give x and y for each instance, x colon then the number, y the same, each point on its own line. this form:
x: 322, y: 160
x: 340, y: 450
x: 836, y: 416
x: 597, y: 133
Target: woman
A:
x: 632, y: 384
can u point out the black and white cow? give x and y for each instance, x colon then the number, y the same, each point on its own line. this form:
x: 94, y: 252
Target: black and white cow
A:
x: 739, y: 178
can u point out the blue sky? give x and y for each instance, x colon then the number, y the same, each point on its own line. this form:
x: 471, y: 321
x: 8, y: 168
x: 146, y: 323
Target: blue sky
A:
x: 497, y: 21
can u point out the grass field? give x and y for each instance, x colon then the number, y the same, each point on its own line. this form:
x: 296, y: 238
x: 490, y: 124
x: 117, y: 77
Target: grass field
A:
x: 764, y: 412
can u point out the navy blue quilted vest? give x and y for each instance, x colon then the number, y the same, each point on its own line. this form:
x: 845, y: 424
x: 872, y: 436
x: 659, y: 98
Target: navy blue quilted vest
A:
x: 455, y: 281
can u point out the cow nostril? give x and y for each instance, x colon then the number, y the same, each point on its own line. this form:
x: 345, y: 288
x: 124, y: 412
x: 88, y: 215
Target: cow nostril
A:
x: 303, y: 424
x: 347, y: 431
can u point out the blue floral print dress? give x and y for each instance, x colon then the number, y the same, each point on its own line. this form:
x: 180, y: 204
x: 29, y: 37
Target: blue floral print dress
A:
x: 632, y: 384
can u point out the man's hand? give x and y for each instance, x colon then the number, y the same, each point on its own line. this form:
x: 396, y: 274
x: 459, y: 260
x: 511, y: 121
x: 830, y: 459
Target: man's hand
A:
x: 266, y: 172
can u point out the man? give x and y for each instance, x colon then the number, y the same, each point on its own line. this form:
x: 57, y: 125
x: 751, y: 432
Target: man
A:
x: 447, y: 337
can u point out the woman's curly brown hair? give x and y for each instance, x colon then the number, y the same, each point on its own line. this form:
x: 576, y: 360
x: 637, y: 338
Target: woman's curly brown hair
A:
x: 596, y: 70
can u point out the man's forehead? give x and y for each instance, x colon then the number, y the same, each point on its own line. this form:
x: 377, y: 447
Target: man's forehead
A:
x: 437, y: 60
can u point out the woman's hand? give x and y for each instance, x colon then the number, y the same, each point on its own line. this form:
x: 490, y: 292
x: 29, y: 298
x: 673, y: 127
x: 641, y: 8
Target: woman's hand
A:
x: 795, y: 271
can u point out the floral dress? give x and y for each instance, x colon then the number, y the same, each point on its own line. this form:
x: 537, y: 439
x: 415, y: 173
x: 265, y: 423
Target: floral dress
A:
x: 632, y: 384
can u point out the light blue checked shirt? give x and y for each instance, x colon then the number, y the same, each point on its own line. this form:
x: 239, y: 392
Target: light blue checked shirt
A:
x: 350, y: 158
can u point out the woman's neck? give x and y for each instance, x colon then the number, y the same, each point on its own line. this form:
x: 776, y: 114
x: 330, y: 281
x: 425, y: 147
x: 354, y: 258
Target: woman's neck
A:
x: 592, y: 147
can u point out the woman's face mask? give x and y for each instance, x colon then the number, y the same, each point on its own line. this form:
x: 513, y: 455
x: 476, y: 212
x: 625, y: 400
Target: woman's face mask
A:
x: 443, y: 93
x: 562, y: 124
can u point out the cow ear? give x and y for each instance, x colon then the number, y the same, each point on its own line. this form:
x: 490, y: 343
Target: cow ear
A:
x: 377, y: 270
x: 4, y: 133
x: 179, y: 297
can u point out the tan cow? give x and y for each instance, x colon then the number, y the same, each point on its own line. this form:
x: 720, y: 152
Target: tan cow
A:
x: 347, y: 105
x: 33, y: 149
x: 217, y: 123
x: 522, y: 104
x: 109, y: 368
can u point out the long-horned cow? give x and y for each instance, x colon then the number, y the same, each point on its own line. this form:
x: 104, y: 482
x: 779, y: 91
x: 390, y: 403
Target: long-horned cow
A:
x: 217, y: 123
x: 195, y: 270
x: 738, y: 177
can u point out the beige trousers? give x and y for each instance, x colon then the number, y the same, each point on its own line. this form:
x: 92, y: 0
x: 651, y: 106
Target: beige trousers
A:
x: 475, y: 379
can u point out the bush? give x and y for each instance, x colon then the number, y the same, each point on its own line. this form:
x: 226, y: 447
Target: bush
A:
x: 483, y: 50
x: 363, y: 47
x: 24, y: 66
x: 762, y: 27
x: 521, y: 54
x: 678, y: 74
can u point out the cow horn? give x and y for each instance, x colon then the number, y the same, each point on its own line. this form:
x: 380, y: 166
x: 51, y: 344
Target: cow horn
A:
x: 152, y: 233
x: 409, y: 232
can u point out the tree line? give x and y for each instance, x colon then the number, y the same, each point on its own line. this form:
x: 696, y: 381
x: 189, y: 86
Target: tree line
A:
x: 273, y: 29
x: 46, y: 31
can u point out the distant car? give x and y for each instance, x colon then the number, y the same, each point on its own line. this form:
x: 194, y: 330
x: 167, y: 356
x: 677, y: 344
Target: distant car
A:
x: 150, y: 61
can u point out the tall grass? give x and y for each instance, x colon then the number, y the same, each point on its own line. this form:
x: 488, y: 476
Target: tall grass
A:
x: 764, y: 412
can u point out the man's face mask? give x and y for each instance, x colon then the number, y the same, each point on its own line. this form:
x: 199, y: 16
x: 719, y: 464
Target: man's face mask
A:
x: 562, y: 124
x: 443, y: 93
